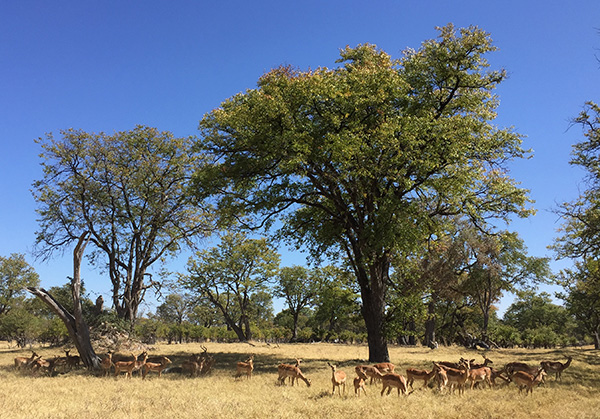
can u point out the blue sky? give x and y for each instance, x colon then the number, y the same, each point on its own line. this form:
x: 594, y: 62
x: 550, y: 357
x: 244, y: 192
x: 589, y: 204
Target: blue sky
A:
x: 110, y: 65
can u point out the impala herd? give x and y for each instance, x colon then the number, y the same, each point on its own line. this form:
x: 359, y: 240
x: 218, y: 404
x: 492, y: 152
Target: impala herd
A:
x: 451, y: 375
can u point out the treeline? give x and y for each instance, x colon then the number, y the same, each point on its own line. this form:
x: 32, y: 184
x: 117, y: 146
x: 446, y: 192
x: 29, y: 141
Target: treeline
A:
x: 318, y: 305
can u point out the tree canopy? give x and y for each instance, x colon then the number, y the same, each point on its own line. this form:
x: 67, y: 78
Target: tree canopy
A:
x: 128, y: 190
x: 366, y: 158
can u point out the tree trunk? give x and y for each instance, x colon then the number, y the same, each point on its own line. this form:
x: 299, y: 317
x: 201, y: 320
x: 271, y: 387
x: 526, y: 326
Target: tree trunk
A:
x: 373, y: 290
x: 597, y: 340
x: 295, y: 315
x: 430, y: 322
x: 75, y: 323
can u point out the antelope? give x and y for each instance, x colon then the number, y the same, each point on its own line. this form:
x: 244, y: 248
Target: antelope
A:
x: 526, y: 380
x: 359, y: 384
x: 457, y: 376
x: 486, y: 362
x: 156, y: 366
x: 513, y: 367
x: 245, y: 368
x: 371, y: 372
x: 441, y: 376
x: 106, y: 364
x: 385, y: 367
x: 498, y: 374
x: 22, y: 361
x: 72, y: 361
x: 283, y: 374
x: 293, y: 372
x: 482, y: 374
x: 556, y: 367
x: 412, y: 373
x: 194, y: 365
x: 391, y: 380
x: 130, y: 366
x: 338, y: 379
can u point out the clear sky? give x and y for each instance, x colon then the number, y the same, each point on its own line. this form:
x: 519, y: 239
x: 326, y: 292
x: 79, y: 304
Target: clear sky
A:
x: 110, y: 65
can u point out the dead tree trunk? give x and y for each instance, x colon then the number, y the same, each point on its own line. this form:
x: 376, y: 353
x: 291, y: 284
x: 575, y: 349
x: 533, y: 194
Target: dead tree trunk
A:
x: 75, y: 323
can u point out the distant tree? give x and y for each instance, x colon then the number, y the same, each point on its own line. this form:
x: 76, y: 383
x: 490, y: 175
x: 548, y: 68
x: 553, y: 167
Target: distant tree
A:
x: 337, y: 309
x: 128, y: 191
x: 582, y: 296
x: 534, y: 315
x: 231, y: 276
x: 299, y: 287
x: 363, y: 159
x: 498, y: 263
x: 15, y: 276
x: 580, y: 238
x: 174, y: 310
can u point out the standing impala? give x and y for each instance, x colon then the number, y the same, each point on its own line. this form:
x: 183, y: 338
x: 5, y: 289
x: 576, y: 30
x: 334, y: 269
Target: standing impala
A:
x: 338, y: 379
x: 556, y: 367
x: 245, y: 368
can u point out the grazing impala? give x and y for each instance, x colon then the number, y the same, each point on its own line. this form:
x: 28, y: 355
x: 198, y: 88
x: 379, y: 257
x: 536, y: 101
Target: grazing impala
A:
x: 338, y: 379
x: 293, y: 372
x: 556, y: 367
x: 525, y: 380
x: 245, y: 368
x: 414, y: 373
x: 391, y: 380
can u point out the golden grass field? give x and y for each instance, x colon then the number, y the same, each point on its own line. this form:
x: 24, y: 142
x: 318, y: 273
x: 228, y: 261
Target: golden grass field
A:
x: 78, y: 394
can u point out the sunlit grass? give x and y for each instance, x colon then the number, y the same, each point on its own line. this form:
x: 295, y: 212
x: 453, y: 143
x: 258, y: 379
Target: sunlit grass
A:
x: 78, y: 394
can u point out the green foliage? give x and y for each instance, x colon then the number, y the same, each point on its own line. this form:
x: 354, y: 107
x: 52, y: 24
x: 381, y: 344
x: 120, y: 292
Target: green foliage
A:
x: 15, y: 276
x: 128, y: 191
x: 234, y: 277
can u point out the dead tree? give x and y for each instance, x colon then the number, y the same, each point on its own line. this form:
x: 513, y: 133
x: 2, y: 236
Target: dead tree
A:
x: 75, y: 323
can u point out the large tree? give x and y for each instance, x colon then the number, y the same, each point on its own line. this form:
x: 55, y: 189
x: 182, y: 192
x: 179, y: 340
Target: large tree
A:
x: 364, y: 158
x: 128, y: 190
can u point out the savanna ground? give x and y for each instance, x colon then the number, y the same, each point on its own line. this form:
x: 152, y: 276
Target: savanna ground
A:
x: 219, y: 395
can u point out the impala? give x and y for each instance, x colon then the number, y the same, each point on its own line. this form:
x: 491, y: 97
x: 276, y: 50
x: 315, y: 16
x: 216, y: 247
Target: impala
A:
x: 359, y: 384
x: 106, y: 364
x: 481, y: 374
x: 194, y: 365
x: 371, y: 372
x: 22, y: 361
x: 385, y: 367
x: 525, y: 380
x: 293, y: 372
x: 245, y: 368
x: 338, y: 379
x: 130, y: 366
x: 556, y: 367
x: 156, y: 366
x: 391, y: 380
x: 414, y: 373
x: 72, y: 360
x: 456, y: 376
x: 513, y: 367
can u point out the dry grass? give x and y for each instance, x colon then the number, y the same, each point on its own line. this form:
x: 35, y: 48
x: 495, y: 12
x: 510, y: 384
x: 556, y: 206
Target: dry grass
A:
x: 219, y: 395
